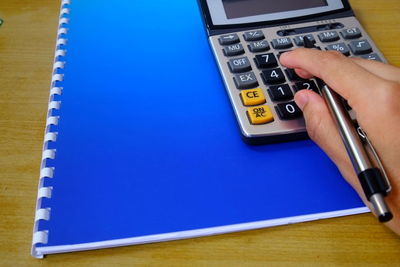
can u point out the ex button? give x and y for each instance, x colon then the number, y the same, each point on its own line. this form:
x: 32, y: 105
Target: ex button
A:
x: 245, y: 81
x: 252, y: 97
x: 260, y: 114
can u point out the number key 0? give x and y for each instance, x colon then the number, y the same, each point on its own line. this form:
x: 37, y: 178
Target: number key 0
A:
x: 287, y: 111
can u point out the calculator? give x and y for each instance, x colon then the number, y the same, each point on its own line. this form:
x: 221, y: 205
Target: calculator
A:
x: 247, y: 38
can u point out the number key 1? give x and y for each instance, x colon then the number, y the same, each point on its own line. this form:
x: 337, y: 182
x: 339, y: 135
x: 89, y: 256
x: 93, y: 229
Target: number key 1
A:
x: 280, y: 92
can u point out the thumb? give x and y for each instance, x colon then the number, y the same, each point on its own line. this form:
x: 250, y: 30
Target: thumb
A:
x: 322, y: 130
x: 319, y: 123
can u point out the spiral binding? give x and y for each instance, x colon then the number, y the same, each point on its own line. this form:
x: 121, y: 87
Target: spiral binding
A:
x: 46, y: 172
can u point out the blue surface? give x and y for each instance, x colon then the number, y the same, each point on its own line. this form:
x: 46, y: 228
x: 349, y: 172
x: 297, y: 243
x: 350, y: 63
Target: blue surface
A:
x: 147, y: 139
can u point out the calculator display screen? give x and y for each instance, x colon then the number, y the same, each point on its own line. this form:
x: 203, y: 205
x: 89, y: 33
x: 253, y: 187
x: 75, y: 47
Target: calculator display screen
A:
x: 245, y: 8
x: 231, y: 12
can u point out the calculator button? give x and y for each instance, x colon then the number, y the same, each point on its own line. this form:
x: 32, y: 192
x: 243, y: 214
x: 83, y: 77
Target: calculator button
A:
x: 241, y: 64
x: 340, y: 47
x: 252, y: 97
x: 372, y: 57
x: 280, y: 92
x: 260, y: 114
x: 329, y: 36
x: 246, y: 80
x: 299, y: 40
x: 308, y: 84
x: 273, y: 76
x: 360, y: 47
x: 253, y: 35
x: 292, y: 75
x: 228, y: 39
x: 287, y: 111
x: 266, y: 61
x: 282, y: 43
x: 351, y: 33
x: 259, y: 46
x: 233, y: 50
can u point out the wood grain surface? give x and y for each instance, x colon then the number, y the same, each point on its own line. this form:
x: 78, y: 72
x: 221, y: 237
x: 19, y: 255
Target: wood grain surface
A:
x: 27, y: 41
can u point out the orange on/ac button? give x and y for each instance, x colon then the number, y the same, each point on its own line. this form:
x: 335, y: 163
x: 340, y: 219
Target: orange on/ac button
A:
x: 260, y: 114
x: 252, y: 97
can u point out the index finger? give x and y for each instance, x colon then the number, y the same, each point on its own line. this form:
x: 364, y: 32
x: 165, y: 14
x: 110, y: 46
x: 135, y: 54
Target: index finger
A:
x: 347, y: 78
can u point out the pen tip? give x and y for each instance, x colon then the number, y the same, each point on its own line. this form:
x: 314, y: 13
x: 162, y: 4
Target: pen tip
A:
x: 387, y: 216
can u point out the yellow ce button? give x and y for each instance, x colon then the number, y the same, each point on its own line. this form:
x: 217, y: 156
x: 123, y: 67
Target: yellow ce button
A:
x: 252, y: 97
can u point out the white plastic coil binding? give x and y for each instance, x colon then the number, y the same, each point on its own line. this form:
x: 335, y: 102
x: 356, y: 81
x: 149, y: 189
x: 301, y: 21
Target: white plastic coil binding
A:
x: 46, y: 172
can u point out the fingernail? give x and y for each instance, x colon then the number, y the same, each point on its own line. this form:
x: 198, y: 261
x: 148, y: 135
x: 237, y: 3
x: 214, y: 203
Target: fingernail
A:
x: 285, y: 54
x: 301, y: 99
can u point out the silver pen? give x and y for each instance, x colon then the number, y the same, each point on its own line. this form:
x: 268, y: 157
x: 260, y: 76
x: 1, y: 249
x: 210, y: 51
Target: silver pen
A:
x: 373, y: 179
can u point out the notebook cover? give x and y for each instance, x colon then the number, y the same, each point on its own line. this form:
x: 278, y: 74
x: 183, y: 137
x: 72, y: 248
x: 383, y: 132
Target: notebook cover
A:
x: 146, y: 147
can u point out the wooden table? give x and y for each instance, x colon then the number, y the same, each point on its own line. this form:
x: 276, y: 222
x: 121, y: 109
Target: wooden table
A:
x: 27, y: 41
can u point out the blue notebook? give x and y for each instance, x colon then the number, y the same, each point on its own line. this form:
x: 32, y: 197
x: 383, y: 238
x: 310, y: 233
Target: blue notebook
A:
x: 141, y: 143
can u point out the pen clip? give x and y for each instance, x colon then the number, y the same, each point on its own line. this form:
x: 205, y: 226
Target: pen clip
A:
x: 365, y: 139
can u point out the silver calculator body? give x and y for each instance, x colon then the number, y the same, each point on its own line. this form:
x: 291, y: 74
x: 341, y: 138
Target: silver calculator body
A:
x: 248, y: 36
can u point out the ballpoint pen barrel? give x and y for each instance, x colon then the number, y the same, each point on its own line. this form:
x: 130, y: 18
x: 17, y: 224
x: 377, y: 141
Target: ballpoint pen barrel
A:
x: 371, y: 178
x: 350, y: 137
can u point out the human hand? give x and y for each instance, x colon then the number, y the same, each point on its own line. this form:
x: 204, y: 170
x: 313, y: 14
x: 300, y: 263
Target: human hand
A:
x: 372, y: 89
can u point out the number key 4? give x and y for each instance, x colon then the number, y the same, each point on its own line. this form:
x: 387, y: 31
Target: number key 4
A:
x: 273, y: 76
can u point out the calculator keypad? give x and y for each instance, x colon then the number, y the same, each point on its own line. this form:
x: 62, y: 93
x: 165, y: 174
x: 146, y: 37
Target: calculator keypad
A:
x: 261, y: 89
